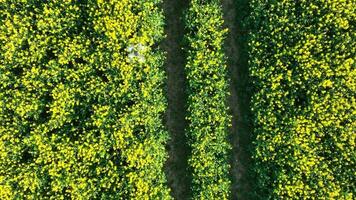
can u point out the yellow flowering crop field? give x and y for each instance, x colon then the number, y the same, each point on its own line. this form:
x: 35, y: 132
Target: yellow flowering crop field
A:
x: 80, y: 118
x: 302, y: 63
x: 86, y: 109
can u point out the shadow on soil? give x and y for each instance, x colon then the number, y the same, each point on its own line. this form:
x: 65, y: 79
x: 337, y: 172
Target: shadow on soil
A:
x: 178, y: 150
x: 241, y: 137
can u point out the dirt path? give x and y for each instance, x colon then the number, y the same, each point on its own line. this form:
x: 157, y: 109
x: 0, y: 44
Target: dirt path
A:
x: 241, y: 131
x: 178, y: 149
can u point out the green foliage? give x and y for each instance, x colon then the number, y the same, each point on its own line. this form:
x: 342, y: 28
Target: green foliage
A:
x: 302, y: 63
x: 207, y: 101
x: 78, y: 118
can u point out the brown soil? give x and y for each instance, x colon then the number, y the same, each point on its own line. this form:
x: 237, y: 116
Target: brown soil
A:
x: 178, y: 149
x: 241, y: 130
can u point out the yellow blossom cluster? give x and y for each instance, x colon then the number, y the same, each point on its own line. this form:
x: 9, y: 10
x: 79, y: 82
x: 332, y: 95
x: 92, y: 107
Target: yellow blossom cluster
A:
x: 302, y: 63
x: 78, y: 119
x: 207, y: 100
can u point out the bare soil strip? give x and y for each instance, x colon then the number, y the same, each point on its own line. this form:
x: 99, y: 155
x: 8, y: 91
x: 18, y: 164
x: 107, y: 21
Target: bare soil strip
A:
x: 241, y: 130
x: 178, y: 149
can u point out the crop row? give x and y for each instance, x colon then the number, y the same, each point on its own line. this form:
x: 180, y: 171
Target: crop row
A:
x: 207, y: 100
x: 302, y: 62
x: 81, y: 100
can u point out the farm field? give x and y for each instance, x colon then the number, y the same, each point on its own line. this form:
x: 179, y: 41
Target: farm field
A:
x: 168, y: 99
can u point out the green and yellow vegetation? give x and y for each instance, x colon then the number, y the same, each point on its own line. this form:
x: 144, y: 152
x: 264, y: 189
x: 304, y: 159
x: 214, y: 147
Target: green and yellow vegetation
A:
x: 81, y: 100
x: 207, y: 101
x: 302, y: 61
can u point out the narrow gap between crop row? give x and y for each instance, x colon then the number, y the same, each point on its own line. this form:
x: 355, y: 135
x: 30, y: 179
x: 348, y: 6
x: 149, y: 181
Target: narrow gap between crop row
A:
x: 235, y: 12
x: 178, y: 150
